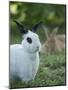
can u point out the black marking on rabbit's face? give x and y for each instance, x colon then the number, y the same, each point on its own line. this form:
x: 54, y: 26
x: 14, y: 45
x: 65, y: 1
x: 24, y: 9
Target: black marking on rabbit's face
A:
x: 29, y: 40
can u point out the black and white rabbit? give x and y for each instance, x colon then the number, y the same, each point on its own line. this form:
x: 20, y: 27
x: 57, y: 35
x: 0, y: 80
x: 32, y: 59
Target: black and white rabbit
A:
x: 24, y: 57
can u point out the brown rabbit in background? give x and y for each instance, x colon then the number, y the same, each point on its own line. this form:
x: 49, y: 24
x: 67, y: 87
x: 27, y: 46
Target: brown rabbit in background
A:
x: 54, y: 42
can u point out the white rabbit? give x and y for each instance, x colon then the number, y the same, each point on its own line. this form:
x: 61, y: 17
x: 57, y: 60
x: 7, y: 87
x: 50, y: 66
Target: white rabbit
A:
x: 24, y: 57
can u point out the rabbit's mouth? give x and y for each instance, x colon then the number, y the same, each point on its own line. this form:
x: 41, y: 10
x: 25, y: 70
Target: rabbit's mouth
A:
x: 37, y: 49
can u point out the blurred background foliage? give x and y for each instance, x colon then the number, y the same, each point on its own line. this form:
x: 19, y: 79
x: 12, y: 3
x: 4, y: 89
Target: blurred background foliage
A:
x: 52, y: 15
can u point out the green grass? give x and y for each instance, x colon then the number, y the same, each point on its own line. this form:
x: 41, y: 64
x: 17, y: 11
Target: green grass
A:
x: 51, y: 73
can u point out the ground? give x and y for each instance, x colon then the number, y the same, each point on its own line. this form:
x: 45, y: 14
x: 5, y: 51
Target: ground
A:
x: 51, y: 72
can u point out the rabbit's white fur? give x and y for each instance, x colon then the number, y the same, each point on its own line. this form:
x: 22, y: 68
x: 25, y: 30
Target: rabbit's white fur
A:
x: 24, y: 57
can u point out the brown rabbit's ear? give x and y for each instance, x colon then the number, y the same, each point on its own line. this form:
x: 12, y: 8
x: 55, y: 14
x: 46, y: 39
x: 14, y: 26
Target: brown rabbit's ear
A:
x: 45, y: 30
x: 55, y: 30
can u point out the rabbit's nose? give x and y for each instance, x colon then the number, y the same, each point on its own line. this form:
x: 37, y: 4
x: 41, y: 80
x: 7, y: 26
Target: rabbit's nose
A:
x: 37, y: 46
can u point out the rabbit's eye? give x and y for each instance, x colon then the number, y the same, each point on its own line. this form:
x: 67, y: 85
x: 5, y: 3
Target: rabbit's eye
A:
x: 29, y: 40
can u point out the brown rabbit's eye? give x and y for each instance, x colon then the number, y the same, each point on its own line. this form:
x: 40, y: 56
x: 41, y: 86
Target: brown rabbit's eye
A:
x: 29, y: 40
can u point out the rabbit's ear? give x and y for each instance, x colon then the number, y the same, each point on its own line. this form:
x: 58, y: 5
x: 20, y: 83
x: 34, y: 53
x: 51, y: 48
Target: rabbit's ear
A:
x: 21, y: 27
x: 55, y: 30
x: 36, y: 26
x: 45, y: 30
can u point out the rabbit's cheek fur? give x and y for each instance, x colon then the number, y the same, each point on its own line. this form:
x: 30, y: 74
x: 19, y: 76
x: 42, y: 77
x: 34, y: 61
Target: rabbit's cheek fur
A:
x: 33, y: 47
x: 37, y: 47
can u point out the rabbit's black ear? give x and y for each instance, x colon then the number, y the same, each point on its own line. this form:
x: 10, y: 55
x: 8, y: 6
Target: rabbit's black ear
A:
x: 35, y: 27
x: 21, y: 27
